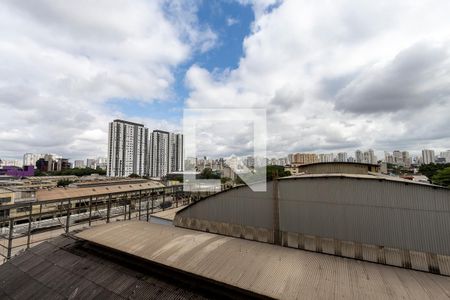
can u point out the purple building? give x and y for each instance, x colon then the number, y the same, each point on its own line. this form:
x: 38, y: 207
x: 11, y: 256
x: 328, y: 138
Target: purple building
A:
x: 17, y: 172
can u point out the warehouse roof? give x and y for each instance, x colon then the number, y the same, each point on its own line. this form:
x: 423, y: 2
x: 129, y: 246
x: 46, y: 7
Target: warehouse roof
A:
x: 265, y: 269
x: 71, y: 193
x: 64, y: 268
x: 370, y: 176
x: 338, y: 163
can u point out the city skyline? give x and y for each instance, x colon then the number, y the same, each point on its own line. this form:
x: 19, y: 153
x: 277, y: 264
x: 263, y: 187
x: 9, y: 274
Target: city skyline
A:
x: 326, y: 86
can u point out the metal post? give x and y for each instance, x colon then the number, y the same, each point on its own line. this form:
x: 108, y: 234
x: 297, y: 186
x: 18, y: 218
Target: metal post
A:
x: 164, y: 200
x: 276, y: 214
x: 90, y: 210
x: 40, y: 212
x: 29, y: 225
x: 68, y: 216
x: 129, y: 209
x: 108, y: 209
x: 10, y: 238
x: 140, y: 198
x: 124, y: 209
x: 153, y: 199
x: 148, y: 215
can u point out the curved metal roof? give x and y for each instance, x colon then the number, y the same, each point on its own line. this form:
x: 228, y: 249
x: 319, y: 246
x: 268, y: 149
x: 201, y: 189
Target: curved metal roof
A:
x: 266, y: 269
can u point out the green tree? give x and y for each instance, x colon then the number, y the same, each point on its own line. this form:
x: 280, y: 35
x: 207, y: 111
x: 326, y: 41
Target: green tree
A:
x: 134, y: 175
x: 276, y: 171
x: 442, y: 177
x: 432, y: 169
x: 207, y: 173
x: 63, y: 182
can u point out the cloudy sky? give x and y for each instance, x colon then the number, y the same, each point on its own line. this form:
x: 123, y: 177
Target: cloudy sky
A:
x: 332, y: 75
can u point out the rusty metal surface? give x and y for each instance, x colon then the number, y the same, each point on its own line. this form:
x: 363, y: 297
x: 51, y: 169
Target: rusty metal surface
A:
x: 60, y: 269
x: 266, y: 269
x: 68, y: 193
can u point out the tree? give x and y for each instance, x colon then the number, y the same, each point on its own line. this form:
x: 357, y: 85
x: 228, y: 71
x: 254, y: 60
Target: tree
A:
x: 276, y: 171
x: 63, y: 182
x: 207, y: 173
x: 432, y: 169
x: 442, y: 177
x: 134, y: 175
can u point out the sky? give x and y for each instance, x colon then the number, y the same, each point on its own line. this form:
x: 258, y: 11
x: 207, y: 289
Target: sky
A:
x: 332, y: 75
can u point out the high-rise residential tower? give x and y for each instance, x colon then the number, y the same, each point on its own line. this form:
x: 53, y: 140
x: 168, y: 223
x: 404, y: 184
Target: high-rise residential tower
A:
x: 158, y: 154
x: 127, y: 148
x: 359, y: 158
x: 428, y: 156
x: 176, y: 152
x: 165, y: 153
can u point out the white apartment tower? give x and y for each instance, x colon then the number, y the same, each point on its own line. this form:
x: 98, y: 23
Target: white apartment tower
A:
x: 176, y: 152
x: 359, y: 158
x: 29, y: 159
x: 165, y: 153
x: 428, y: 156
x: 127, y: 148
x: 158, y: 154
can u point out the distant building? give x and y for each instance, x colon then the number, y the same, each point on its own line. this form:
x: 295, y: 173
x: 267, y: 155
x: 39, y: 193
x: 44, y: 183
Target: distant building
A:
x: 25, y: 171
x: 326, y: 157
x: 42, y: 165
x: 127, y: 148
x: 359, y: 156
x: 102, y: 163
x: 398, y: 158
x: 446, y: 156
x: 388, y: 158
x: 159, y: 153
x: 62, y: 164
x: 176, y: 142
x: 78, y: 164
x: 305, y: 158
x: 91, y: 163
x: 428, y: 156
x: 342, y: 157
x: 407, y: 161
x: 30, y: 159
x: 290, y: 158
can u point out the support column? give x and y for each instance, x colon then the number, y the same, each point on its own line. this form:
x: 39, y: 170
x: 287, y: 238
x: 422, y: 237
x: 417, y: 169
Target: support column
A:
x: 68, y: 216
x: 276, y: 212
x: 29, y: 225
x: 10, y: 238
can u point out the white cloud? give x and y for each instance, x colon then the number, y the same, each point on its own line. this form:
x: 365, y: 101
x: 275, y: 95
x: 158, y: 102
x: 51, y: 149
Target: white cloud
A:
x: 61, y: 61
x: 341, y: 75
x: 232, y: 21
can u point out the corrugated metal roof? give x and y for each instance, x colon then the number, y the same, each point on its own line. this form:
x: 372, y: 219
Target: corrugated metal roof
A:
x: 266, y: 269
x: 370, y: 176
x: 64, y: 269
x: 70, y: 193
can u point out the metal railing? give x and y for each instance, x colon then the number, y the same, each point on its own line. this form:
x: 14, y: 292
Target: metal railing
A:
x: 27, y: 224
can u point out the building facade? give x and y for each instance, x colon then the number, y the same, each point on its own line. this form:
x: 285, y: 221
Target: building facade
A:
x: 127, y: 148
x: 305, y: 158
x: 30, y: 159
x: 428, y: 156
x: 158, y: 154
